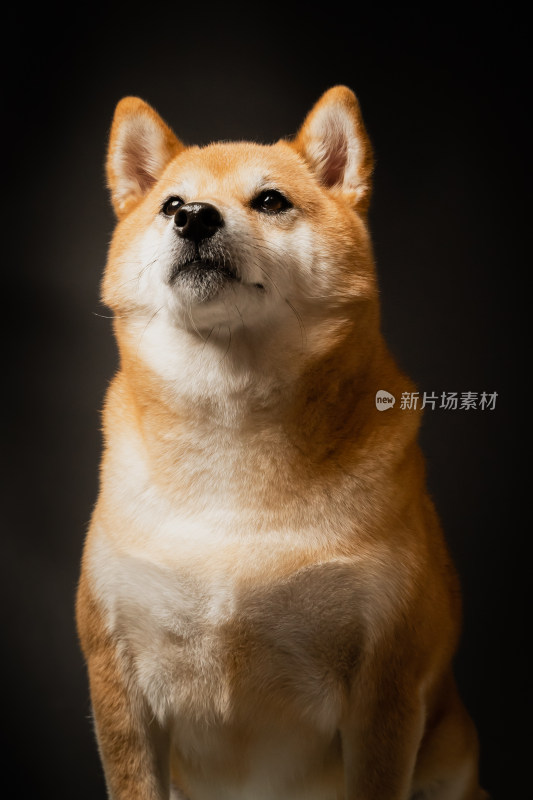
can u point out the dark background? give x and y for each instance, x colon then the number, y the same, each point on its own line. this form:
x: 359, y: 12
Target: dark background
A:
x: 445, y: 103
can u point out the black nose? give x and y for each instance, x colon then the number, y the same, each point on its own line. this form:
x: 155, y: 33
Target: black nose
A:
x: 198, y: 221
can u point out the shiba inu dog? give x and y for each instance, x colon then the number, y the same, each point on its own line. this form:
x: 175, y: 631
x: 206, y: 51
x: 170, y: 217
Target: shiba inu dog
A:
x: 266, y: 606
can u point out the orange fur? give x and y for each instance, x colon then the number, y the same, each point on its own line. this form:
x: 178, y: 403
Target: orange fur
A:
x: 267, y: 606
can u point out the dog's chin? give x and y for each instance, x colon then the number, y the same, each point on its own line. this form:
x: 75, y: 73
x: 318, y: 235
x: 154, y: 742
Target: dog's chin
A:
x: 202, y: 280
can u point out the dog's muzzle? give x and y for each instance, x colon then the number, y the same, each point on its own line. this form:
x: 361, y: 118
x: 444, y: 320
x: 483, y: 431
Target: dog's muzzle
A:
x: 203, y: 260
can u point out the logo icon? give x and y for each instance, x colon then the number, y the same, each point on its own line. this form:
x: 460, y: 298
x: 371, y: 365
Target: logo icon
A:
x: 384, y: 400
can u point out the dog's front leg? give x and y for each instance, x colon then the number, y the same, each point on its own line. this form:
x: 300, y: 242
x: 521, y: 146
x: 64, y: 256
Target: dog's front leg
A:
x: 380, y: 740
x: 133, y: 746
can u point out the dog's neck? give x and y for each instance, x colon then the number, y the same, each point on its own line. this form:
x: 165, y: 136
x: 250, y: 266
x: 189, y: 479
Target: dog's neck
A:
x: 231, y: 376
x: 316, y: 384
x: 204, y: 416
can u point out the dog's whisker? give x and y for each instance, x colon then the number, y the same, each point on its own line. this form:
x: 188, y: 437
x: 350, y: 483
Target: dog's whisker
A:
x: 237, y: 309
x: 207, y: 338
x: 191, y: 320
x: 154, y: 315
x: 303, y: 331
x: 229, y: 344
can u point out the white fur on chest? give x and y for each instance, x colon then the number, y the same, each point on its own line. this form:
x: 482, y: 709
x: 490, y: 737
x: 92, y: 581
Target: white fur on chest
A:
x: 196, y: 639
x: 201, y: 600
x: 236, y: 633
x: 223, y: 663
x: 166, y: 621
x: 234, y: 630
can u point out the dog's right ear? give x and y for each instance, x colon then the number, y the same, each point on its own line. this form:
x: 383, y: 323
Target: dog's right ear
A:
x: 140, y: 147
x: 334, y: 142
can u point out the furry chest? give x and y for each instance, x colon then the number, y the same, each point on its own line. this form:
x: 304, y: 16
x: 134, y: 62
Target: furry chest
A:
x: 213, y: 650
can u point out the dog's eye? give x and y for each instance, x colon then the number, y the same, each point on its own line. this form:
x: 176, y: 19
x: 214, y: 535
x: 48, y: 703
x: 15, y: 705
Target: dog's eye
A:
x: 270, y: 201
x: 171, y: 205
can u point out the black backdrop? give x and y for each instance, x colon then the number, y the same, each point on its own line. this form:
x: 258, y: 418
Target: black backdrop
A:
x: 444, y: 100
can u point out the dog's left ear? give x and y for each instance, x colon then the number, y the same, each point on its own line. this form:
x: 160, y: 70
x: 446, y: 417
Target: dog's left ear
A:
x: 140, y: 146
x: 334, y: 142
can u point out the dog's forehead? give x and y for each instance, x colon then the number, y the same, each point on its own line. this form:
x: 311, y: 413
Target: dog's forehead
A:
x: 237, y: 168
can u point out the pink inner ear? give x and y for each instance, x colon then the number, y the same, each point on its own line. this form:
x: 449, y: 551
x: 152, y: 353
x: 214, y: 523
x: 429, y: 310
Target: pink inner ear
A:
x: 137, y: 161
x: 335, y: 159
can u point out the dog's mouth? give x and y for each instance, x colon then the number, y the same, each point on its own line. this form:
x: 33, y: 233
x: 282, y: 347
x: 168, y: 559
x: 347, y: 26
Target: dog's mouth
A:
x: 200, y: 276
x: 199, y: 268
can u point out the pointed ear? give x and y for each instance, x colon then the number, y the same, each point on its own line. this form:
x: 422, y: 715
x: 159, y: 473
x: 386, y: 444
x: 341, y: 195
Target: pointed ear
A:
x: 335, y: 144
x: 140, y: 147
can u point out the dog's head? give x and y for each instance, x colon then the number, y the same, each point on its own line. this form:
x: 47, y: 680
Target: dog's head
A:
x: 239, y: 238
